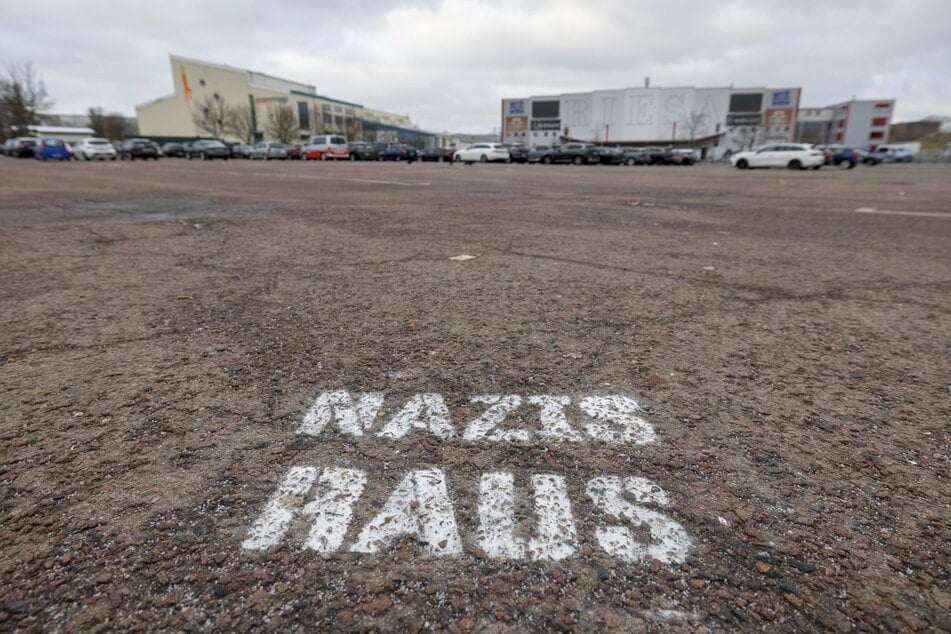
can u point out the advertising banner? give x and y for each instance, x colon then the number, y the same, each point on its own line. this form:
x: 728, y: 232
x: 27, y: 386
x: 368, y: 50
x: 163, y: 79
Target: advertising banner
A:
x: 779, y: 116
x: 744, y: 119
x: 516, y: 123
x: 547, y: 124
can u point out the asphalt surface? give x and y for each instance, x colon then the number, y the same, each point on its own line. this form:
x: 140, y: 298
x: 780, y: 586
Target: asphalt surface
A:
x: 358, y: 396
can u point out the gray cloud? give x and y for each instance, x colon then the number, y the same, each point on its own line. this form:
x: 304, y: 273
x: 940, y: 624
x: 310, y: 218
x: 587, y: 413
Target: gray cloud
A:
x: 448, y: 62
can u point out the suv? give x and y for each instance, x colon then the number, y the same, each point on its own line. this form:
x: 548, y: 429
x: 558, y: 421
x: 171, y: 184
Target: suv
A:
x: 363, y: 151
x: 893, y: 154
x: 324, y: 147
x: 138, y: 148
x: 576, y: 153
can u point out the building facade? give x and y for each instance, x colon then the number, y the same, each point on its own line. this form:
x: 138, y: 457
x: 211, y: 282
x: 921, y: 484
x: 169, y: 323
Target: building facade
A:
x: 714, y: 119
x: 856, y: 123
x: 196, y: 81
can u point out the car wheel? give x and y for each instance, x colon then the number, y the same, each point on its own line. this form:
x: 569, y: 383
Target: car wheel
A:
x: 204, y: 156
x: 846, y: 165
x: 795, y: 164
x: 440, y: 159
x: 546, y: 160
x: 578, y: 160
x: 483, y: 159
x: 742, y: 164
x: 353, y: 157
x: 629, y: 161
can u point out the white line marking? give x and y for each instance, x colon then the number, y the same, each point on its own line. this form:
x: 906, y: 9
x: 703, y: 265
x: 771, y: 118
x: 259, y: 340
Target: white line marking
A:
x: 873, y: 210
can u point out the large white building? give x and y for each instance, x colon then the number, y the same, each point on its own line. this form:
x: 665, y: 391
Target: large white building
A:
x: 713, y: 119
x: 171, y: 117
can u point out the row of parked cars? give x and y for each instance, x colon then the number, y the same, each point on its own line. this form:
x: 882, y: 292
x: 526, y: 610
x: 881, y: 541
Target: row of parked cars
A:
x: 808, y: 156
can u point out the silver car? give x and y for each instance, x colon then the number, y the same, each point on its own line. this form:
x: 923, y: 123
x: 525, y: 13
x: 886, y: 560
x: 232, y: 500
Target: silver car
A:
x: 268, y: 150
x: 93, y: 148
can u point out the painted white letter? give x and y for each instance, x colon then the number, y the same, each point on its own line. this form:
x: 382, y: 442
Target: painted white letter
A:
x: 557, y: 536
x: 423, y: 411
x: 418, y: 507
x: 332, y: 509
x: 555, y: 426
x: 351, y: 418
x: 479, y: 428
x: 284, y: 505
x: 622, y: 411
x: 669, y: 542
x: 497, y: 517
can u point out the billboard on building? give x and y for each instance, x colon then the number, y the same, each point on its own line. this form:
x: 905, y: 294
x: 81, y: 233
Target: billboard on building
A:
x: 516, y: 123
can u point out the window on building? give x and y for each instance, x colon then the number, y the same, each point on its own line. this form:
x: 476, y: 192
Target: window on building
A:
x: 328, y: 119
x: 877, y: 134
x: 303, y: 115
x: 880, y: 121
x: 883, y: 104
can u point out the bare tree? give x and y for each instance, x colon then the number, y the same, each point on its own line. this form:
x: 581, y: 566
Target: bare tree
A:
x: 23, y: 98
x: 213, y: 116
x: 109, y: 126
x: 694, y: 123
x: 242, y: 124
x: 282, y: 123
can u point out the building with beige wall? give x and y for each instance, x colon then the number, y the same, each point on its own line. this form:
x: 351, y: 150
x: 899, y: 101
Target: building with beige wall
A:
x: 196, y: 81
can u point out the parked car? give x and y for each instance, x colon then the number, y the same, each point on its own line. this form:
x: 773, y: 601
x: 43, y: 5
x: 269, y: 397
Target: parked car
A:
x: 23, y: 147
x: 657, y: 155
x: 791, y: 155
x: 363, y: 151
x: 841, y: 156
x: 398, y: 152
x: 294, y: 151
x: 51, y: 148
x: 242, y: 151
x: 208, y: 149
x: 173, y: 149
x: 138, y: 149
x: 635, y: 156
x: 684, y: 156
x: 609, y: 155
x: 482, y: 153
x: 92, y: 148
x: 517, y: 152
x: 576, y: 153
x: 893, y: 154
x: 541, y: 154
x: 268, y: 150
x: 866, y: 158
x: 439, y: 154
x: 324, y: 147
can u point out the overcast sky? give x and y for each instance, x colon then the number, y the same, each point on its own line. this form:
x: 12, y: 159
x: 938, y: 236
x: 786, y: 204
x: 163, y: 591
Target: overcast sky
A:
x: 448, y: 63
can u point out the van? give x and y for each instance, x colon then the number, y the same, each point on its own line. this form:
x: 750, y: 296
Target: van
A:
x: 324, y: 147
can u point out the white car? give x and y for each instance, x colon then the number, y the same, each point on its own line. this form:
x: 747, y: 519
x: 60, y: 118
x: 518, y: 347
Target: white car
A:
x: 797, y: 156
x: 482, y: 153
x: 92, y: 148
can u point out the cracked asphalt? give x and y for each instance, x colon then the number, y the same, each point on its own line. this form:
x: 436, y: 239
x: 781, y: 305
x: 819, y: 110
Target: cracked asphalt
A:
x: 168, y: 326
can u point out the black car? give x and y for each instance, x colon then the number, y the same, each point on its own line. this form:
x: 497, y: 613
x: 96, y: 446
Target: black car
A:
x: 364, y: 151
x: 439, y: 154
x: 21, y: 147
x: 398, y: 152
x: 657, y: 155
x: 207, y: 149
x: 138, y: 149
x: 173, y: 149
x: 635, y: 156
x: 576, y: 153
x: 610, y: 155
x: 517, y: 152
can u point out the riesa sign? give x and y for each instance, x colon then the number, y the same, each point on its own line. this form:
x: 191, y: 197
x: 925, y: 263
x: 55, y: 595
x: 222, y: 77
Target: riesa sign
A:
x: 420, y: 507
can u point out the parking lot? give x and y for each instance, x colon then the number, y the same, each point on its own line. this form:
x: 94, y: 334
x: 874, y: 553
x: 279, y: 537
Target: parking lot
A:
x: 310, y: 395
